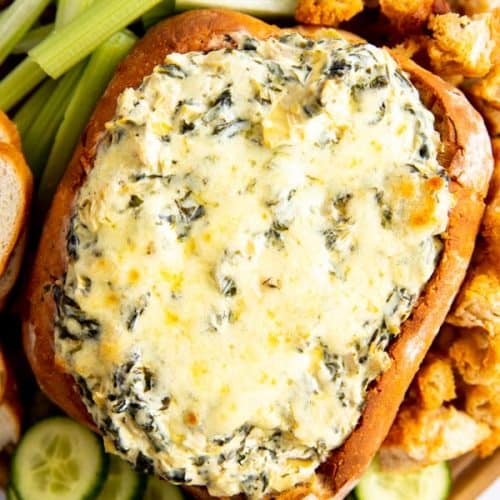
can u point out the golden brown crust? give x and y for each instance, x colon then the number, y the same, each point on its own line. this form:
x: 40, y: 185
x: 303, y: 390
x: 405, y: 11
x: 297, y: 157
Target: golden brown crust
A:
x: 13, y: 157
x: 468, y: 161
x: 10, y: 408
x: 9, y: 277
x: 327, y: 12
x: 8, y: 131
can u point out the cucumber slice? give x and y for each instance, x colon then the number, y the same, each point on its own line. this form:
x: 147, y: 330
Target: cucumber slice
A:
x: 157, y: 489
x: 58, y: 459
x: 122, y: 483
x: 430, y: 483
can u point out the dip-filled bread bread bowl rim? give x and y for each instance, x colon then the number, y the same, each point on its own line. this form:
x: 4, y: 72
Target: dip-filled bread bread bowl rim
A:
x: 464, y: 151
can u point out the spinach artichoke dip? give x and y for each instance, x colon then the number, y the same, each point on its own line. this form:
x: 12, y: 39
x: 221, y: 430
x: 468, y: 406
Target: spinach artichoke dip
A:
x: 258, y: 223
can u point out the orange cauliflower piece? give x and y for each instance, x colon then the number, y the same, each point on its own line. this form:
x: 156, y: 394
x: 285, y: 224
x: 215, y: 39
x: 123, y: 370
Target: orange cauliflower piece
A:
x: 482, y: 402
x: 488, y: 88
x: 435, y: 383
x: 490, y: 444
x: 421, y: 437
x: 411, y: 46
x: 471, y: 7
x: 461, y: 45
x: 479, y: 299
x: 407, y: 15
x: 327, y: 12
x: 476, y: 357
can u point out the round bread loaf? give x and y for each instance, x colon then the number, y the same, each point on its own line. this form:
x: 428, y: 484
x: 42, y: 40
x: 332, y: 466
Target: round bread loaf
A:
x: 466, y: 156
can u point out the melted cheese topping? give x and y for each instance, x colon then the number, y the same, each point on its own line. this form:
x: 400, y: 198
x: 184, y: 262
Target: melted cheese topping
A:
x: 258, y: 223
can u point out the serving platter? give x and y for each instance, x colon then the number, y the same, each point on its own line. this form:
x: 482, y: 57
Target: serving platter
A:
x: 472, y: 476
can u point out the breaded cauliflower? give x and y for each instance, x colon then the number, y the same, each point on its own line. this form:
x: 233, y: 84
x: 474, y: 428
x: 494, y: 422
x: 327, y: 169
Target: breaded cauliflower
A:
x: 327, y: 12
x: 411, y: 46
x: 488, y: 88
x: 434, y: 382
x: 407, y: 15
x: 471, y: 7
x: 476, y: 356
x: 421, y: 437
x: 482, y: 402
x: 461, y: 45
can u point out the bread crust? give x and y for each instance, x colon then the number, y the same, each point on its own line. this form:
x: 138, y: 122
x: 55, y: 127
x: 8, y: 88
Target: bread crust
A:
x: 10, y: 408
x: 9, y: 132
x: 13, y: 156
x: 467, y: 158
x: 13, y: 268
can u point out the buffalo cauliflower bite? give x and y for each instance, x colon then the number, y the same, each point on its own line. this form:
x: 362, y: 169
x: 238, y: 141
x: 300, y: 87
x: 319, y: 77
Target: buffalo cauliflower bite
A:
x: 483, y: 404
x: 476, y: 357
x: 421, y: 437
x: 411, y: 46
x: 479, y: 300
x: 488, y: 88
x: 460, y: 45
x: 327, y: 12
x: 407, y: 15
x: 435, y: 383
x: 471, y: 7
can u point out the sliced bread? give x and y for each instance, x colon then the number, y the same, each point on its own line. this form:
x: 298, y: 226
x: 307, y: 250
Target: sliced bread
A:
x: 16, y: 186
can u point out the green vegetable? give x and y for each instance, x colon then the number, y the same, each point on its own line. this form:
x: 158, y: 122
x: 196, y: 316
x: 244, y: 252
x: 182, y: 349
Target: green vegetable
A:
x: 67, y: 10
x: 38, y: 139
x: 15, y: 22
x: 161, y: 490
x: 263, y: 8
x: 32, y: 38
x: 92, y: 84
x: 33, y: 106
x: 158, y: 13
x: 19, y: 82
x: 430, y: 483
x: 72, y: 43
x: 11, y: 493
x: 28, y: 74
x: 122, y: 483
x: 58, y: 459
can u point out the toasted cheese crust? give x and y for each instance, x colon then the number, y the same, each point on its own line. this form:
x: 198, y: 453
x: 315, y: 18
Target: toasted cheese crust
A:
x: 460, y: 130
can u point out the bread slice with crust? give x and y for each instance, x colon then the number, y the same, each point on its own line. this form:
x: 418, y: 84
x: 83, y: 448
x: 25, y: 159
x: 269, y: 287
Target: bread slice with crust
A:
x: 466, y: 155
x: 16, y: 185
x: 9, y: 132
x: 10, y: 411
x: 9, y: 277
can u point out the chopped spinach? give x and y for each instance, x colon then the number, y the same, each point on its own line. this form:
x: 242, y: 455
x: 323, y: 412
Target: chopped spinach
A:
x: 227, y: 286
x: 172, y: 70
x: 135, y: 201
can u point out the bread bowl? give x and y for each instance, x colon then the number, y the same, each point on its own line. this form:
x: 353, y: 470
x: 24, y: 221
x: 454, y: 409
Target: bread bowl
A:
x: 464, y: 153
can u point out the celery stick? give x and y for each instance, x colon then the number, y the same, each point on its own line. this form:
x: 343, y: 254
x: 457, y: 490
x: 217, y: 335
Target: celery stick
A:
x: 94, y: 80
x: 32, y: 38
x: 38, y: 139
x: 263, y: 8
x: 20, y: 82
x: 33, y: 106
x: 67, y: 10
x: 15, y: 22
x: 156, y: 14
x: 28, y: 74
x: 65, y: 47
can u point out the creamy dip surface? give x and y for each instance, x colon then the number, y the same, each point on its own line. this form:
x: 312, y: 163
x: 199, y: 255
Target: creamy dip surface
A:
x: 258, y: 223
